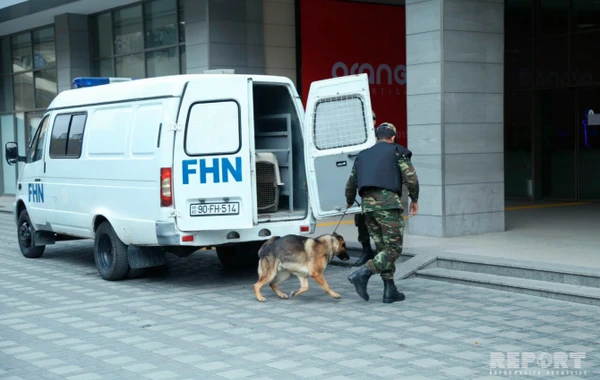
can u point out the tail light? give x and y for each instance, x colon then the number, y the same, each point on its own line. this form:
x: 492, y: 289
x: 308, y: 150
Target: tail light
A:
x: 166, y: 189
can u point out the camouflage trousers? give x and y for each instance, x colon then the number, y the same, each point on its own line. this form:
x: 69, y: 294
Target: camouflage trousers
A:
x: 363, y: 231
x: 386, y: 228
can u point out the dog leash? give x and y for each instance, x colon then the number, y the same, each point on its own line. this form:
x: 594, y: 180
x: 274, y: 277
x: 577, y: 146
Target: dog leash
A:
x: 343, y: 215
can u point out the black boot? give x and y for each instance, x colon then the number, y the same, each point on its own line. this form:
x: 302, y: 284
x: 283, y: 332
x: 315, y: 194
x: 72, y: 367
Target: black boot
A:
x: 391, y: 293
x: 359, y: 279
x: 367, y: 254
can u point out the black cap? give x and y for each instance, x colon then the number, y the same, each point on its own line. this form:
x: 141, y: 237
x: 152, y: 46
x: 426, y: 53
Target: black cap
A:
x: 385, y: 131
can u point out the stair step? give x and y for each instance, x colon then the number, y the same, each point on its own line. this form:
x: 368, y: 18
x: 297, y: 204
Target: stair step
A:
x: 554, y: 290
x: 526, y: 269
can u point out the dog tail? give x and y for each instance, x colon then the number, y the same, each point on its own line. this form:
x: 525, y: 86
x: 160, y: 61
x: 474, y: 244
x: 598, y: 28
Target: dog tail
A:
x: 266, y: 265
x: 263, y: 250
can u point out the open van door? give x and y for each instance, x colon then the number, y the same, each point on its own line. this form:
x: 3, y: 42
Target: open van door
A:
x: 212, y: 171
x: 338, y: 124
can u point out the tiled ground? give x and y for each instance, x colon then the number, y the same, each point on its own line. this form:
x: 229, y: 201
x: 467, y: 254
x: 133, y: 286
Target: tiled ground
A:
x: 59, y: 319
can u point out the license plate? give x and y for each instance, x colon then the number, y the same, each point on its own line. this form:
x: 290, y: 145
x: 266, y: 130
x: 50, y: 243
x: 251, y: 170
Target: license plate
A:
x: 212, y: 209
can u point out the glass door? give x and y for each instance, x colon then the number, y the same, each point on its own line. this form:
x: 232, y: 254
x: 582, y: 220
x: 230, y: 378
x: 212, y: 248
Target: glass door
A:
x: 558, y: 144
x: 588, y: 100
x: 9, y: 173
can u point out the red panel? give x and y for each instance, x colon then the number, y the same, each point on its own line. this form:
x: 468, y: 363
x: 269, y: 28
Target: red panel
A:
x: 341, y: 38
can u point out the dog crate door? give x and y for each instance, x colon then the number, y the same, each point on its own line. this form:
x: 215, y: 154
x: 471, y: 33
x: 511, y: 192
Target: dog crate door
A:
x: 338, y: 124
x: 212, y: 173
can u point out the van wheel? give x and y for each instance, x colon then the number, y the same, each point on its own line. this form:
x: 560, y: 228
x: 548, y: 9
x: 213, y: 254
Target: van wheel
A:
x: 239, y: 256
x: 26, y: 235
x: 110, y: 254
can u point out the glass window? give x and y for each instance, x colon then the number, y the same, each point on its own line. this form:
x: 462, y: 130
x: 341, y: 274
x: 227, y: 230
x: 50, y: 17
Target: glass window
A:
x: 551, y: 59
x: 22, y: 52
x: 23, y: 91
x: 44, y: 53
x: 518, y: 65
x: 76, y: 136
x: 101, y: 31
x: 128, y: 28
x: 60, y: 132
x: 213, y: 128
x: 555, y: 111
x: 518, y: 144
x: 9, y: 172
x: 39, y: 141
x: 162, y: 62
x: 46, y: 87
x: 339, y: 123
x: 125, y: 41
x: 553, y: 17
x: 103, y: 68
x: 5, y: 61
x: 584, y: 61
x: 519, y: 19
x: 6, y: 93
x: 130, y: 66
x: 160, y: 23
x: 586, y: 15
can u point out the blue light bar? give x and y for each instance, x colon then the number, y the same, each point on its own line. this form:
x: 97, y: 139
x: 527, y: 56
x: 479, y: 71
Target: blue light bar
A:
x: 81, y: 82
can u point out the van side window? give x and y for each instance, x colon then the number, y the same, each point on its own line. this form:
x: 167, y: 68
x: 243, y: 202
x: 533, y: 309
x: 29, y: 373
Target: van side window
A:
x: 76, y: 136
x: 340, y: 122
x: 67, y: 136
x: 36, y: 152
x: 213, y: 128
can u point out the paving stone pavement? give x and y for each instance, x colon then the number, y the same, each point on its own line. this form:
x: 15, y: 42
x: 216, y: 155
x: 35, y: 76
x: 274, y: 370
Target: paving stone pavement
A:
x: 194, y: 320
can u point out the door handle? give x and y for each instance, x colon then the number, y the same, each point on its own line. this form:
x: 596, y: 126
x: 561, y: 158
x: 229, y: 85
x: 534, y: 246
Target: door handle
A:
x: 352, y: 155
x: 38, y: 180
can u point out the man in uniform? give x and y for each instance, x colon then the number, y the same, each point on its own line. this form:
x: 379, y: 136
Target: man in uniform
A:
x: 378, y: 175
x: 363, y: 231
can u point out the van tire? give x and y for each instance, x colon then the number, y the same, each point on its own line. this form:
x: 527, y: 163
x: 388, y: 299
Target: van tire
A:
x: 110, y: 254
x: 239, y: 256
x: 26, y: 237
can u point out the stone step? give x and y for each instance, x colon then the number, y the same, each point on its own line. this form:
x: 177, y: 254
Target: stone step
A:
x: 554, y: 290
x: 531, y: 270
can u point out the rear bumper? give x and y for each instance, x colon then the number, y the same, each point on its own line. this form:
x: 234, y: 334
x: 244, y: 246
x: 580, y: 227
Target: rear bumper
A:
x: 167, y: 233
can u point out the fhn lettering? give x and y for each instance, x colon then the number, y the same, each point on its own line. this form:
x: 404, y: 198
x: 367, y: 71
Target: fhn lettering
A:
x: 220, y: 170
x: 35, y: 192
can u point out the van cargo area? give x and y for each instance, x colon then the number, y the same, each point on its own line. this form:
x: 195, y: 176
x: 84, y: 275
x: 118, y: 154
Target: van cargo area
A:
x: 281, y: 192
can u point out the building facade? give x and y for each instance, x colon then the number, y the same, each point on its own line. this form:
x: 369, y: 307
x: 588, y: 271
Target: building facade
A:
x: 491, y: 96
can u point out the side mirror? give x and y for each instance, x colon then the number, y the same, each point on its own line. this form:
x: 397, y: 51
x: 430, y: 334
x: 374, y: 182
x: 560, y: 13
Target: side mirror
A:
x: 11, y: 152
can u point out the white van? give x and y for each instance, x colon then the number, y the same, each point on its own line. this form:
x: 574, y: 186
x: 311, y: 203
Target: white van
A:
x: 177, y: 163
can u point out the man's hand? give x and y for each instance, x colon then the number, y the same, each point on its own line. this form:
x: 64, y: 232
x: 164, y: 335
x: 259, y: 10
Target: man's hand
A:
x: 413, y: 209
x: 348, y: 205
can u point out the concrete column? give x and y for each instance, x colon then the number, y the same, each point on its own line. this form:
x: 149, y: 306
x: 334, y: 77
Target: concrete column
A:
x: 455, y: 59
x: 72, y: 48
x: 224, y: 34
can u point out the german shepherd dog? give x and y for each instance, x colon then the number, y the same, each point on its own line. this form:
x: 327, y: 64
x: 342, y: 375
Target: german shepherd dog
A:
x: 280, y: 257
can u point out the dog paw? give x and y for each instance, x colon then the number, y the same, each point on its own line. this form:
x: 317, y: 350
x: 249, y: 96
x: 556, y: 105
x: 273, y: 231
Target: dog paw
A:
x: 293, y: 294
x: 283, y: 296
x: 261, y: 299
x: 336, y: 295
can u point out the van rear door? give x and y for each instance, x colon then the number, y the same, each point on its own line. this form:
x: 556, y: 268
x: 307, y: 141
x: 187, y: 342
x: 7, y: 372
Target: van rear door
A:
x: 212, y: 184
x: 338, y: 124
